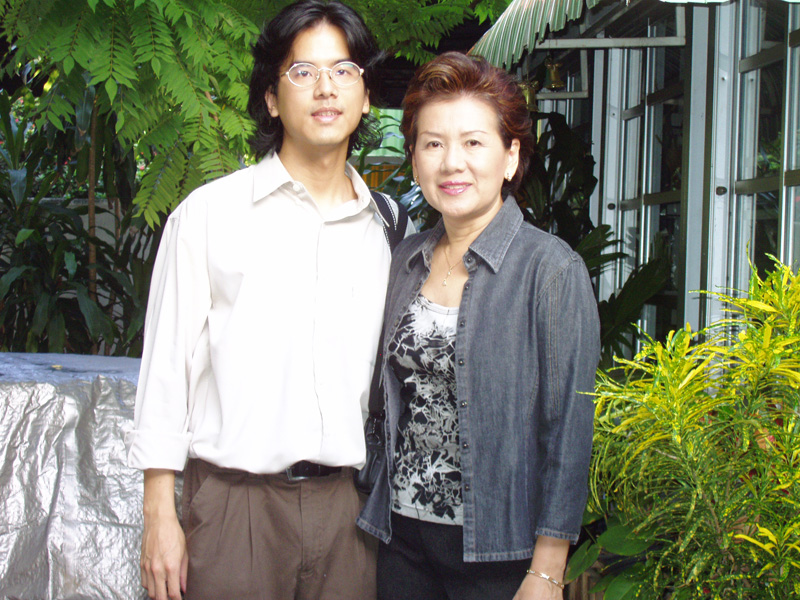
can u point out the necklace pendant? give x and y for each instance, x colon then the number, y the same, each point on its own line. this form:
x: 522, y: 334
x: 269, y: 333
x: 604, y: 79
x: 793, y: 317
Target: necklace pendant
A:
x: 444, y: 282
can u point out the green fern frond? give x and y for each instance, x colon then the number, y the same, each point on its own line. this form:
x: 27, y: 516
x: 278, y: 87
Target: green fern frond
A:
x: 177, y: 11
x: 238, y: 26
x: 152, y: 41
x: 216, y: 158
x: 185, y: 90
x: 235, y: 124
x: 113, y: 59
x: 159, y: 192
x: 193, y: 177
x: 70, y: 40
x: 237, y: 93
x: 55, y: 109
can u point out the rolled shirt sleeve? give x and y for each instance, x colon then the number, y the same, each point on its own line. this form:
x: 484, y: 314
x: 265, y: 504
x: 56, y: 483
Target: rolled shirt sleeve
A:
x: 176, y: 316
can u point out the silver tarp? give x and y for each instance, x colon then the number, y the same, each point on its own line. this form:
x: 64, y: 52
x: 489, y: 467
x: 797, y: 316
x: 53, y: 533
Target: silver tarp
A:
x: 70, y: 509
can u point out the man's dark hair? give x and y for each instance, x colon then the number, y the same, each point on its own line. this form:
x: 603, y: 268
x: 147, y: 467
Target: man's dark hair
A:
x: 274, y: 45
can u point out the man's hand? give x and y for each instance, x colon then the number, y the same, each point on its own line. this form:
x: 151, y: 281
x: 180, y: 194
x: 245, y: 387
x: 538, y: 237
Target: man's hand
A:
x: 164, y: 562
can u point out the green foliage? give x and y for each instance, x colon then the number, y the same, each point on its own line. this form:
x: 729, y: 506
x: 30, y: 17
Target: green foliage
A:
x: 166, y: 75
x: 53, y: 296
x: 411, y: 28
x: 698, y: 454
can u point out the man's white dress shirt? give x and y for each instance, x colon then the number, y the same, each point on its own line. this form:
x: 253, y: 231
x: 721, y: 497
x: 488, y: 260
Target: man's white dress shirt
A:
x: 262, y: 327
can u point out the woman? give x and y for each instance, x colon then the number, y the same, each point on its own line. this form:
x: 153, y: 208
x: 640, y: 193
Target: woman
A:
x: 491, y: 337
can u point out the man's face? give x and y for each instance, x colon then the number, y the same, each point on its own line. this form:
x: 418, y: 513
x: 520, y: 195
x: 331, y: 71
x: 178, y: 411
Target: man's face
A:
x: 322, y: 115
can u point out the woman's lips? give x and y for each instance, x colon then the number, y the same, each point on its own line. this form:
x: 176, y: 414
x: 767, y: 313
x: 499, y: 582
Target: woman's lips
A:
x: 453, y: 188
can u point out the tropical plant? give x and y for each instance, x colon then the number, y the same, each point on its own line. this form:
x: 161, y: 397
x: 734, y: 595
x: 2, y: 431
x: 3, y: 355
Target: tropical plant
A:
x: 62, y: 286
x: 696, y: 464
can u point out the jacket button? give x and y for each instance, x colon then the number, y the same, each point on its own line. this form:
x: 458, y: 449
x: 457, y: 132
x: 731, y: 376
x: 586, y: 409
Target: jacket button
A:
x: 462, y: 323
x: 465, y: 445
x: 469, y: 259
x: 461, y: 362
x: 463, y: 404
x: 467, y: 487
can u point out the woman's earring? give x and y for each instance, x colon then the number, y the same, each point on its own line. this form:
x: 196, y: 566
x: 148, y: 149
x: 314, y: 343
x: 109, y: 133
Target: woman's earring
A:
x: 509, y: 176
x: 416, y: 179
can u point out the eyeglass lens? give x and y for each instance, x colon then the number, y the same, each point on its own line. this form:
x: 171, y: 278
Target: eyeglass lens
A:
x: 342, y: 74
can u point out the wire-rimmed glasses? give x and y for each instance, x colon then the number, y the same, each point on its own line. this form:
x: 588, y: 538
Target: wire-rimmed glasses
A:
x: 343, y: 74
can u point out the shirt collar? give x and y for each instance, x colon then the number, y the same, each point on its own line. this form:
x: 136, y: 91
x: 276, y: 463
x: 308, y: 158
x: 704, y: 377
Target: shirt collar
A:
x: 491, y: 245
x: 269, y: 175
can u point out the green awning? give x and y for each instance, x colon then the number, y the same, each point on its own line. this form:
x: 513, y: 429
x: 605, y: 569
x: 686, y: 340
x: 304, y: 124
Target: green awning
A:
x: 524, y: 23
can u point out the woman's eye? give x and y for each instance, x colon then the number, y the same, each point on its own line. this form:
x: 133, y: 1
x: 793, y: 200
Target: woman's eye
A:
x: 473, y: 143
x: 433, y: 145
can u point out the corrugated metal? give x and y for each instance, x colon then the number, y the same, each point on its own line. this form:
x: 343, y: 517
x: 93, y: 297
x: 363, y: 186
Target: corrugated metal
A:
x: 522, y: 24
x: 525, y: 22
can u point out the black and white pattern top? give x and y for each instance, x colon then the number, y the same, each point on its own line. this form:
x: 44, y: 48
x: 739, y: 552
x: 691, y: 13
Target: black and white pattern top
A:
x: 427, y: 481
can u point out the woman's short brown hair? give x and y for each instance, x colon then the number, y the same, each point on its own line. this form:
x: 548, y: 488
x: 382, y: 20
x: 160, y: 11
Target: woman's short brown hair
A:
x: 454, y: 74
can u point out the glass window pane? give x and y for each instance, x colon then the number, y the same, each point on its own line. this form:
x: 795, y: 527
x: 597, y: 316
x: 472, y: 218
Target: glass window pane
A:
x: 634, y: 88
x: 667, y: 145
x: 794, y: 218
x: 629, y: 225
x: 794, y: 113
x: 756, y: 229
x: 632, y: 150
x: 760, y: 130
x: 764, y: 25
x: 666, y: 64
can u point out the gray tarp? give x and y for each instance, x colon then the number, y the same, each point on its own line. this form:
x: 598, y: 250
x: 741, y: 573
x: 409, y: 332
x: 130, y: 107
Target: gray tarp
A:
x: 70, y: 509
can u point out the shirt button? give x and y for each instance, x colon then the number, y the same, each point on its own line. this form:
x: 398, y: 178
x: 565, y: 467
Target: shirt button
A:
x: 297, y: 188
x: 461, y: 362
x: 466, y: 286
x: 462, y: 323
x: 469, y: 260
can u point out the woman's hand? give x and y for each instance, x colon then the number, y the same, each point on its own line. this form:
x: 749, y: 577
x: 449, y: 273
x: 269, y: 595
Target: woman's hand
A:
x: 549, y: 556
x: 536, y: 588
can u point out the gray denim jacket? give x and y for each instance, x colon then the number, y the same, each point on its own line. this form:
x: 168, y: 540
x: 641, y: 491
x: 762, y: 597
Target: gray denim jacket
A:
x: 527, y: 346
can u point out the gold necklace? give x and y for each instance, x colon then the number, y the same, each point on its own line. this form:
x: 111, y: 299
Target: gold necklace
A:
x: 450, y: 268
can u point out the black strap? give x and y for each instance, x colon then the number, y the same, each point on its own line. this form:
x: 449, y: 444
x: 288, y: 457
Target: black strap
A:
x: 395, y: 230
x: 395, y: 218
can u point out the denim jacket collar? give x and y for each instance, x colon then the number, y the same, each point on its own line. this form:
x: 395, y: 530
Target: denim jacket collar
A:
x: 492, y: 243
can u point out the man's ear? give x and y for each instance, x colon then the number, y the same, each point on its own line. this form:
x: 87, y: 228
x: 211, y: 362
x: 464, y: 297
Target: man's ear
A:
x: 272, y: 103
x: 365, y: 108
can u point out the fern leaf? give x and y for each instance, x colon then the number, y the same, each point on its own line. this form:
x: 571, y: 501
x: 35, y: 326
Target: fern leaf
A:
x: 152, y: 41
x: 235, y: 124
x: 185, y: 90
x: 159, y: 191
x: 113, y: 59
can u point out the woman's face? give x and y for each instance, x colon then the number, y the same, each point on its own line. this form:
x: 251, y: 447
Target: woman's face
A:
x: 460, y: 160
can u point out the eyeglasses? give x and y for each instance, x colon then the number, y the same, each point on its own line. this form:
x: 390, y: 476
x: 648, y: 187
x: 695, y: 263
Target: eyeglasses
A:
x: 343, y: 74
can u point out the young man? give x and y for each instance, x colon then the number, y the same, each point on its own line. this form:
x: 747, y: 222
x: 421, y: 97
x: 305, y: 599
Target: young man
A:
x: 262, y: 327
